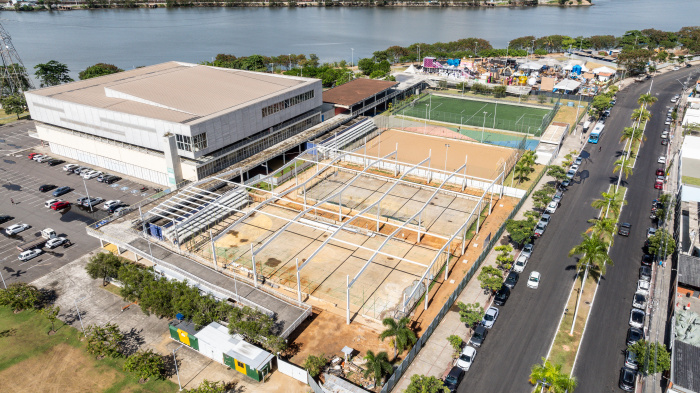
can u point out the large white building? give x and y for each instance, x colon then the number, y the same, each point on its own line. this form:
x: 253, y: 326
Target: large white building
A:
x: 173, y: 121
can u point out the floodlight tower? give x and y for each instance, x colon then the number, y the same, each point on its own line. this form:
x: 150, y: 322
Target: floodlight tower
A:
x: 13, y: 76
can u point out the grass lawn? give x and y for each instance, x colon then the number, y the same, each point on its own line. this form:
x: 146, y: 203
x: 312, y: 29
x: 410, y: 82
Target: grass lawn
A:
x: 471, y: 113
x: 525, y: 184
x: 6, y: 119
x: 33, y: 361
x: 693, y: 181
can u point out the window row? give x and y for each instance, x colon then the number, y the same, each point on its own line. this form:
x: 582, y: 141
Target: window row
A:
x: 185, y: 142
x: 278, y: 106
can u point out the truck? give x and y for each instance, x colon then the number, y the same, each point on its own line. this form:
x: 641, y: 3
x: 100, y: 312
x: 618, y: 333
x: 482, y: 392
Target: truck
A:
x: 596, y: 133
x: 586, y: 126
x: 48, y: 233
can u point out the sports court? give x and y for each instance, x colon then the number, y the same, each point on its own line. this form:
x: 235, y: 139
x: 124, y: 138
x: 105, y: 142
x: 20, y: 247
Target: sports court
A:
x: 470, y: 112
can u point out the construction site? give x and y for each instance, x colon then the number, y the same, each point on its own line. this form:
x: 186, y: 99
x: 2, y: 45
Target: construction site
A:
x: 360, y: 223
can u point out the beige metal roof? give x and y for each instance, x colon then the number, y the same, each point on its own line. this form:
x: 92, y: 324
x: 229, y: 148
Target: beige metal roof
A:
x: 177, y: 92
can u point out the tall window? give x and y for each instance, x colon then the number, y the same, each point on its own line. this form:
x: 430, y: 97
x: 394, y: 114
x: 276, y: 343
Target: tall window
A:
x: 186, y: 143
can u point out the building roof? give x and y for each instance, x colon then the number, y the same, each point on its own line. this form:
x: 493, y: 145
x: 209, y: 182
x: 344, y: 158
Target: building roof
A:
x: 567, y: 85
x: 686, y: 366
x: 355, y: 91
x: 174, y: 91
x: 690, y: 147
x: 689, y: 270
x: 234, y: 346
x: 334, y: 384
x: 554, y: 133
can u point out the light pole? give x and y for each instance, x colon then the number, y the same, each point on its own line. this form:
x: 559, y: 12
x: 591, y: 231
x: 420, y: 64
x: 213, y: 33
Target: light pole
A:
x: 352, y: 57
x: 88, y: 194
x: 483, y: 126
x: 425, y: 127
x: 544, y: 383
x: 78, y: 310
x: 447, y: 148
x: 175, y: 361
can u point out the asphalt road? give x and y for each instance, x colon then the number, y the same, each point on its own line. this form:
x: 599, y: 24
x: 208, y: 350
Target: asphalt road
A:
x: 524, y: 331
x: 20, y: 179
x: 602, y: 351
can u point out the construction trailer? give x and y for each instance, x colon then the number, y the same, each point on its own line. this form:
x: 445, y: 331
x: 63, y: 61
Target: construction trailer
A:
x: 215, y: 342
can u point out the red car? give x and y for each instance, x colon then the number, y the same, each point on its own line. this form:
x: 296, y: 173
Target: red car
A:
x: 31, y: 155
x: 60, y: 205
x: 659, y: 172
x: 659, y: 185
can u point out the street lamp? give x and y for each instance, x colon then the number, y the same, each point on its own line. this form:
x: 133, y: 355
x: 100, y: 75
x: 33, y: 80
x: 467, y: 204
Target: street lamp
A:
x: 425, y: 127
x: 78, y: 310
x: 447, y: 148
x: 176, y: 370
x: 544, y: 383
x: 483, y: 126
x: 88, y: 194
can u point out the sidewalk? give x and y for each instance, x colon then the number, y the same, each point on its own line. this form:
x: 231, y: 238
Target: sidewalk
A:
x: 435, y: 358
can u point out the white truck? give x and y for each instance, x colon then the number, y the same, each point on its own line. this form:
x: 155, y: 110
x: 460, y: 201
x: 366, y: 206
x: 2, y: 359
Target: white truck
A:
x: 48, y: 233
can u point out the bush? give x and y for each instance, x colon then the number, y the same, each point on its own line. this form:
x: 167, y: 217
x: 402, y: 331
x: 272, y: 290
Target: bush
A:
x: 21, y: 296
x: 470, y: 314
x: 104, y: 340
x: 314, y: 364
x: 456, y: 342
x: 145, y: 364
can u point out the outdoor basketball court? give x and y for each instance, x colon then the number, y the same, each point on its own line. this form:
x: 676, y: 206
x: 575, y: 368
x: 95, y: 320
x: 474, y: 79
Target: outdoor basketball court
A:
x: 484, y: 114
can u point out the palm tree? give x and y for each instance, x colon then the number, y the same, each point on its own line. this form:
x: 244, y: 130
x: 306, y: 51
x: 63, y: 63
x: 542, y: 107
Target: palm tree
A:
x: 604, y: 228
x: 622, y: 165
x: 646, y: 99
x: 377, y: 365
x: 521, y: 170
x: 633, y: 133
x: 594, y: 254
x: 641, y: 115
x: 554, y: 379
x: 401, y: 335
x: 611, y: 201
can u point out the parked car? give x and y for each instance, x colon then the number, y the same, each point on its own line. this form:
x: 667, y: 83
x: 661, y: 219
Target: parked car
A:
x: 114, y: 208
x: 80, y: 169
x: 668, y: 121
x: 664, y: 142
x: 15, y: 229
x: 651, y: 232
x: 466, y: 358
x: 91, y: 175
x: 628, y: 380
x: 645, y: 273
x: 624, y: 229
x: 50, y: 202
x: 43, y: 158
x: 570, y: 174
x: 479, y: 336
x: 634, y: 335
x: 578, y: 161
x: 453, y: 379
x: 81, y: 199
x: 121, y: 210
x: 102, y: 176
x: 539, y: 229
x: 111, y: 179
x: 31, y: 155
x: 490, y: 317
x: 661, y: 160
x: 46, y: 187
x: 647, y: 260
x: 54, y: 162
x: 630, y: 360
x: 61, y: 190
x: 545, y: 218
x: 659, y: 184
x: 29, y: 254
x: 5, y: 218
x: 527, y: 250
x: 639, y: 300
x: 659, y: 172
x: 637, y: 318
x: 70, y: 167
x: 643, y: 287
x: 557, y: 197
x: 574, y: 167
x: 511, y: 279
x: 534, y: 280
x: 94, y: 201
x: 552, y: 207
x: 664, y: 135
x: 501, y: 296
x: 60, y: 205
x: 565, y: 183
x: 520, y: 264
x: 37, y: 157
x: 55, y: 242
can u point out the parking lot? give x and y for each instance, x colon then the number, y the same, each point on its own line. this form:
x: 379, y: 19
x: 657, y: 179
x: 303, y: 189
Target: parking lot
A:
x: 20, y: 179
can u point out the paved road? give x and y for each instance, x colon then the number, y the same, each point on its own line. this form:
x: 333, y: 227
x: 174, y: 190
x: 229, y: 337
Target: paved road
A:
x: 20, y: 179
x: 527, y: 323
x: 602, y: 351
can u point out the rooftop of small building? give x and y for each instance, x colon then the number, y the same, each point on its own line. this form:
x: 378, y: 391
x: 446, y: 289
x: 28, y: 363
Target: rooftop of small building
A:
x: 356, y: 91
x: 175, y: 91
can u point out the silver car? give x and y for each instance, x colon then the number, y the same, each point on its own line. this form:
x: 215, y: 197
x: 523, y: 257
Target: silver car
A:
x: 490, y: 317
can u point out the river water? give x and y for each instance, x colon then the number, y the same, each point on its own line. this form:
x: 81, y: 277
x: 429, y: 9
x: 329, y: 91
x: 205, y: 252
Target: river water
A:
x: 135, y: 37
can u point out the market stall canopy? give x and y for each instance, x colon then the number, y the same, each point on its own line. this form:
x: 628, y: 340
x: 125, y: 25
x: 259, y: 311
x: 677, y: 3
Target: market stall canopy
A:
x: 605, y: 70
x: 567, y: 85
x: 411, y: 70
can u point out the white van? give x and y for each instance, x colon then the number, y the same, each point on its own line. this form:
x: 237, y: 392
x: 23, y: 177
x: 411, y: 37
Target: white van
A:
x: 69, y: 167
x: 48, y: 233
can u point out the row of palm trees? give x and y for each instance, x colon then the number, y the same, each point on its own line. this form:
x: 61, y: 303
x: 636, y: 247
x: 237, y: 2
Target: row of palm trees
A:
x: 634, y: 134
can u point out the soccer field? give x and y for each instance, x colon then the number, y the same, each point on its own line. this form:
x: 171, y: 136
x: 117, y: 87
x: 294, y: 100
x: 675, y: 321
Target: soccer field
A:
x: 471, y: 113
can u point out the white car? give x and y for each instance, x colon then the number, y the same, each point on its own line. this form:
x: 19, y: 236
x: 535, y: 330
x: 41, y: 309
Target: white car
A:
x: 639, y: 301
x: 111, y: 203
x: 527, y: 250
x: 69, y: 167
x: 661, y: 160
x: 466, y: 358
x: 91, y: 175
x: 552, y: 207
x: 637, y: 318
x: 29, y: 254
x: 17, y: 228
x: 676, y: 68
x: 520, y: 264
x: 44, y: 158
x: 50, y: 202
x: 668, y: 121
x: 490, y: 317
x: 55, y: 242
x: 574, y: 166
x: 664, y: 135
x: 570, y: 174
x: 643, y: 287
x: 534, y: 280
x: 38, y: 157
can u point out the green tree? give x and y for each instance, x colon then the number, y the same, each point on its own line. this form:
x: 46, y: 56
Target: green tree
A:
x: 603, y: 228
x: 499, y: 91
x: 401, y: 335
x: 600, y: 104
x: 652, y: 357
x: 594, y: 254
x: 103, y: 265
x: 612, y: 201
x: 490, y: 278
x: 633, y: 133
x: 504, y: 259
x: 21, y: 296
x: 14, y: 104
x: 635, y: 60
x: 377, y: 366
x: 423, y: 384
x: 642, y: 115
x: 52, y: 73
x: 314, y: 364
x: 471, y: 314
x: 543, y: 196
x: 557, y: 172
x: 520, y: 231
x: 647, y: 99
x: 145, y: 364
x: 99, y: 69
x: 456, y: 342
x: 661, y: 244
x: 104, y: 340
x: 51, y: 313
x: 556, y: 381
x: 366, y: 66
